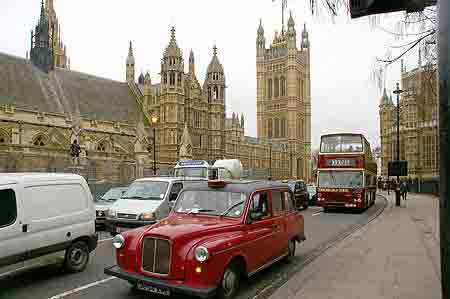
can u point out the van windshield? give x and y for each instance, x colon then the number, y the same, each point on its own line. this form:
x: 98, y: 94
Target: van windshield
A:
x: 147, y: 190
x: 193, y: 172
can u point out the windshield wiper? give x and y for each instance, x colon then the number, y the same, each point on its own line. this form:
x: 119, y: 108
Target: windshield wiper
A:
x: 133, y: 197
x: 195, y: 211
x: 231, y: 208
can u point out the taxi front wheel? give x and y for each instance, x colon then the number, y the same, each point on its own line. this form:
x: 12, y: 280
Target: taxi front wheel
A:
x: 229, y: 284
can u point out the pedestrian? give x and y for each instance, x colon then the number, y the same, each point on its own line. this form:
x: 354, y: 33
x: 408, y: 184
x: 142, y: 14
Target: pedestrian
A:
x: 403, y: 189
x: 75, y: 151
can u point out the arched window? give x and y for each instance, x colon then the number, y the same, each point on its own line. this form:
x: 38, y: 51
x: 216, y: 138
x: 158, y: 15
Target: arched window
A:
x: 277, y: 87
x: 179, y: 79
x: 277, y: 128
x: 101, y: 147
x: 165, y: 78
x: 39, y: 141
x: 269, y: 88
x: 283, y: 86
x: 172, y: 78
x: 283, y: 127
x: 269, y: 128
x: 216, y: 93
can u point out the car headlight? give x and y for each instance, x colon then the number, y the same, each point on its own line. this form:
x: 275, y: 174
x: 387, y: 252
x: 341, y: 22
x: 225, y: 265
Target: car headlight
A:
x: 118, y: 241
x: 147, y: 216
x: 201, y: 254
x: 112, y: 213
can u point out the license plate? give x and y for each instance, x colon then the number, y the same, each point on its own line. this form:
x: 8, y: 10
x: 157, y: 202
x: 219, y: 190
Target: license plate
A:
x: 152, y: 289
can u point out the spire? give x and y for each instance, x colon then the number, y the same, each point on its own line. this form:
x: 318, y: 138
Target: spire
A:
x: 420, y: 56
x: 191, y: 62
x: 291, y: 23
x: 141, y: 79
x: 260, y: 28
x: 215, y: 50
x: 172, y: 34
x: 130, y: 64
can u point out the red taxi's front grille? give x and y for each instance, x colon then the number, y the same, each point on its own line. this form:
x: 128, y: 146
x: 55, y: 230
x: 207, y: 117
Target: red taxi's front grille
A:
x: 156, y: 254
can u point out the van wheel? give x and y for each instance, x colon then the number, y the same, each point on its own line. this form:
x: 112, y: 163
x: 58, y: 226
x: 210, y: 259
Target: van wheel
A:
x: 229, y: 284
x: 77, y: 257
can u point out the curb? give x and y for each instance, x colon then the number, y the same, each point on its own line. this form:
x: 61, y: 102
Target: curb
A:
x: 319, y: 251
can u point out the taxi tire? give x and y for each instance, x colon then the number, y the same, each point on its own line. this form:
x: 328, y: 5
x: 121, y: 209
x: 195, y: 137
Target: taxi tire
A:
x: 76, y: 257
x: 233, y: 274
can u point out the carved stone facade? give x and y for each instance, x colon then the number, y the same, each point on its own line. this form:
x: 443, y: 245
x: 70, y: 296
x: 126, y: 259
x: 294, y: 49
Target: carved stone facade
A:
x: 45, y: 106
x: 419, y: 134
x: 284, y: 94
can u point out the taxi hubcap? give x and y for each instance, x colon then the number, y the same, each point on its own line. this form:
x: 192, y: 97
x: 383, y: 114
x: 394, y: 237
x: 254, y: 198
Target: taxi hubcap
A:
x: 229, y: 281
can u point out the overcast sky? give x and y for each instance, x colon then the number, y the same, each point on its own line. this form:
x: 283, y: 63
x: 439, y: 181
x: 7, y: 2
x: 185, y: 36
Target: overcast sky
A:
x: 97, y: 32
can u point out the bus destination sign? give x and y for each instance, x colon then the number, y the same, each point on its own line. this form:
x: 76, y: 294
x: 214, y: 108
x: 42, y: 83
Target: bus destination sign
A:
x: 341, y: 163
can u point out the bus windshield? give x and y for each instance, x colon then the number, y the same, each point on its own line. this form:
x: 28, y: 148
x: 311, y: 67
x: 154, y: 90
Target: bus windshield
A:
x: 340, y: 179
x: 194, y: 172
x: 341, y: 144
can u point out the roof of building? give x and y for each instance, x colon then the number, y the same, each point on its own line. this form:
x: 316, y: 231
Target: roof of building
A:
x: 67, y: 92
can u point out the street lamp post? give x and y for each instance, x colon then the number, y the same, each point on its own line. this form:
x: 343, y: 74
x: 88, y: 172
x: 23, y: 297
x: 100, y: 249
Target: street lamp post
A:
x: 154, y: 121
x: 270, y: 159
x: 398, y: 91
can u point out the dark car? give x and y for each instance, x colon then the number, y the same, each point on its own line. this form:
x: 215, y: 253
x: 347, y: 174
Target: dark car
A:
x: 298, y: 187
x: 312, y: 191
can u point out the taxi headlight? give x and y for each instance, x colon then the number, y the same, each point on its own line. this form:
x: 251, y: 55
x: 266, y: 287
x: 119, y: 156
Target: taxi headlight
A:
x: 147, y: 216
x: 111, y: 213
x: 201, y: 254
x: 118, y: 241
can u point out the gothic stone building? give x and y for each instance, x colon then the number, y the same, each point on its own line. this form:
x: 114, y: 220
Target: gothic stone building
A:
x: 419, y: 143
x: 284, y: 94
x: 44, y: 106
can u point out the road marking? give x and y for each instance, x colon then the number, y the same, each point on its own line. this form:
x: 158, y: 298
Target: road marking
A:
x: 65, y: 294
x: 316, y: 214
x: 104, y: 240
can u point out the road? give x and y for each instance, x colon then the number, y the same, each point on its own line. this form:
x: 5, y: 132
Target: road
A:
x: 49, y: 282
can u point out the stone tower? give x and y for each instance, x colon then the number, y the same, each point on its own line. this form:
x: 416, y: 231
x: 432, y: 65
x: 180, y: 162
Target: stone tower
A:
x: 214, y: 91
x: 172, y: 100
x: 130, y: 65
x: 283, y: 94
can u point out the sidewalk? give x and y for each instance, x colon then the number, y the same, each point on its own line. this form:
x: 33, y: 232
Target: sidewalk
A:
x: 394, y: 256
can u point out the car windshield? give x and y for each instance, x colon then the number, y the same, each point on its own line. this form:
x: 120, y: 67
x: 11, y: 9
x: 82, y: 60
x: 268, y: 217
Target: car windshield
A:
x: 147, y: 190
x: 341, y: 144
x: 194, y: 172
x: 340, y: 179
x: 230, y: 204
x: 113, y: 194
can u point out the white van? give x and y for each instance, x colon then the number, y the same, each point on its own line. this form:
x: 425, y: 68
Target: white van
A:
x: 145, y: 202
x: 43, y: 216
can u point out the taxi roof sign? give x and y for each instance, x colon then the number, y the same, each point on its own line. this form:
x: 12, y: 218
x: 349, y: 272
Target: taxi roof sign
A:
x: 192, y: 163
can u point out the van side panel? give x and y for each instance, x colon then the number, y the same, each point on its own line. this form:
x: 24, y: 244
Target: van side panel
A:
x: 57, y: 213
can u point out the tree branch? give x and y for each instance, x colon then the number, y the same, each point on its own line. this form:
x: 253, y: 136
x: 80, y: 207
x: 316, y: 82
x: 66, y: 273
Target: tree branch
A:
x: 414, y: 44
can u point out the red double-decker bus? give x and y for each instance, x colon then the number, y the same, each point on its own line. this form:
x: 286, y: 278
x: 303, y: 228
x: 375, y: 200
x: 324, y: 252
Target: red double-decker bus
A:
x: 346, y: 172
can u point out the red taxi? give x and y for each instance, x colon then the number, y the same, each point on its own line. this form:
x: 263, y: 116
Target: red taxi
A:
x: 217, y: 233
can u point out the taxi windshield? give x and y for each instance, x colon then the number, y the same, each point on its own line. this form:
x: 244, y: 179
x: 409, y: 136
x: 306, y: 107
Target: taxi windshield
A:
x: 340, y: 179
x: 194, y: 172
x: 220, y: 203
x: 147, y: 190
